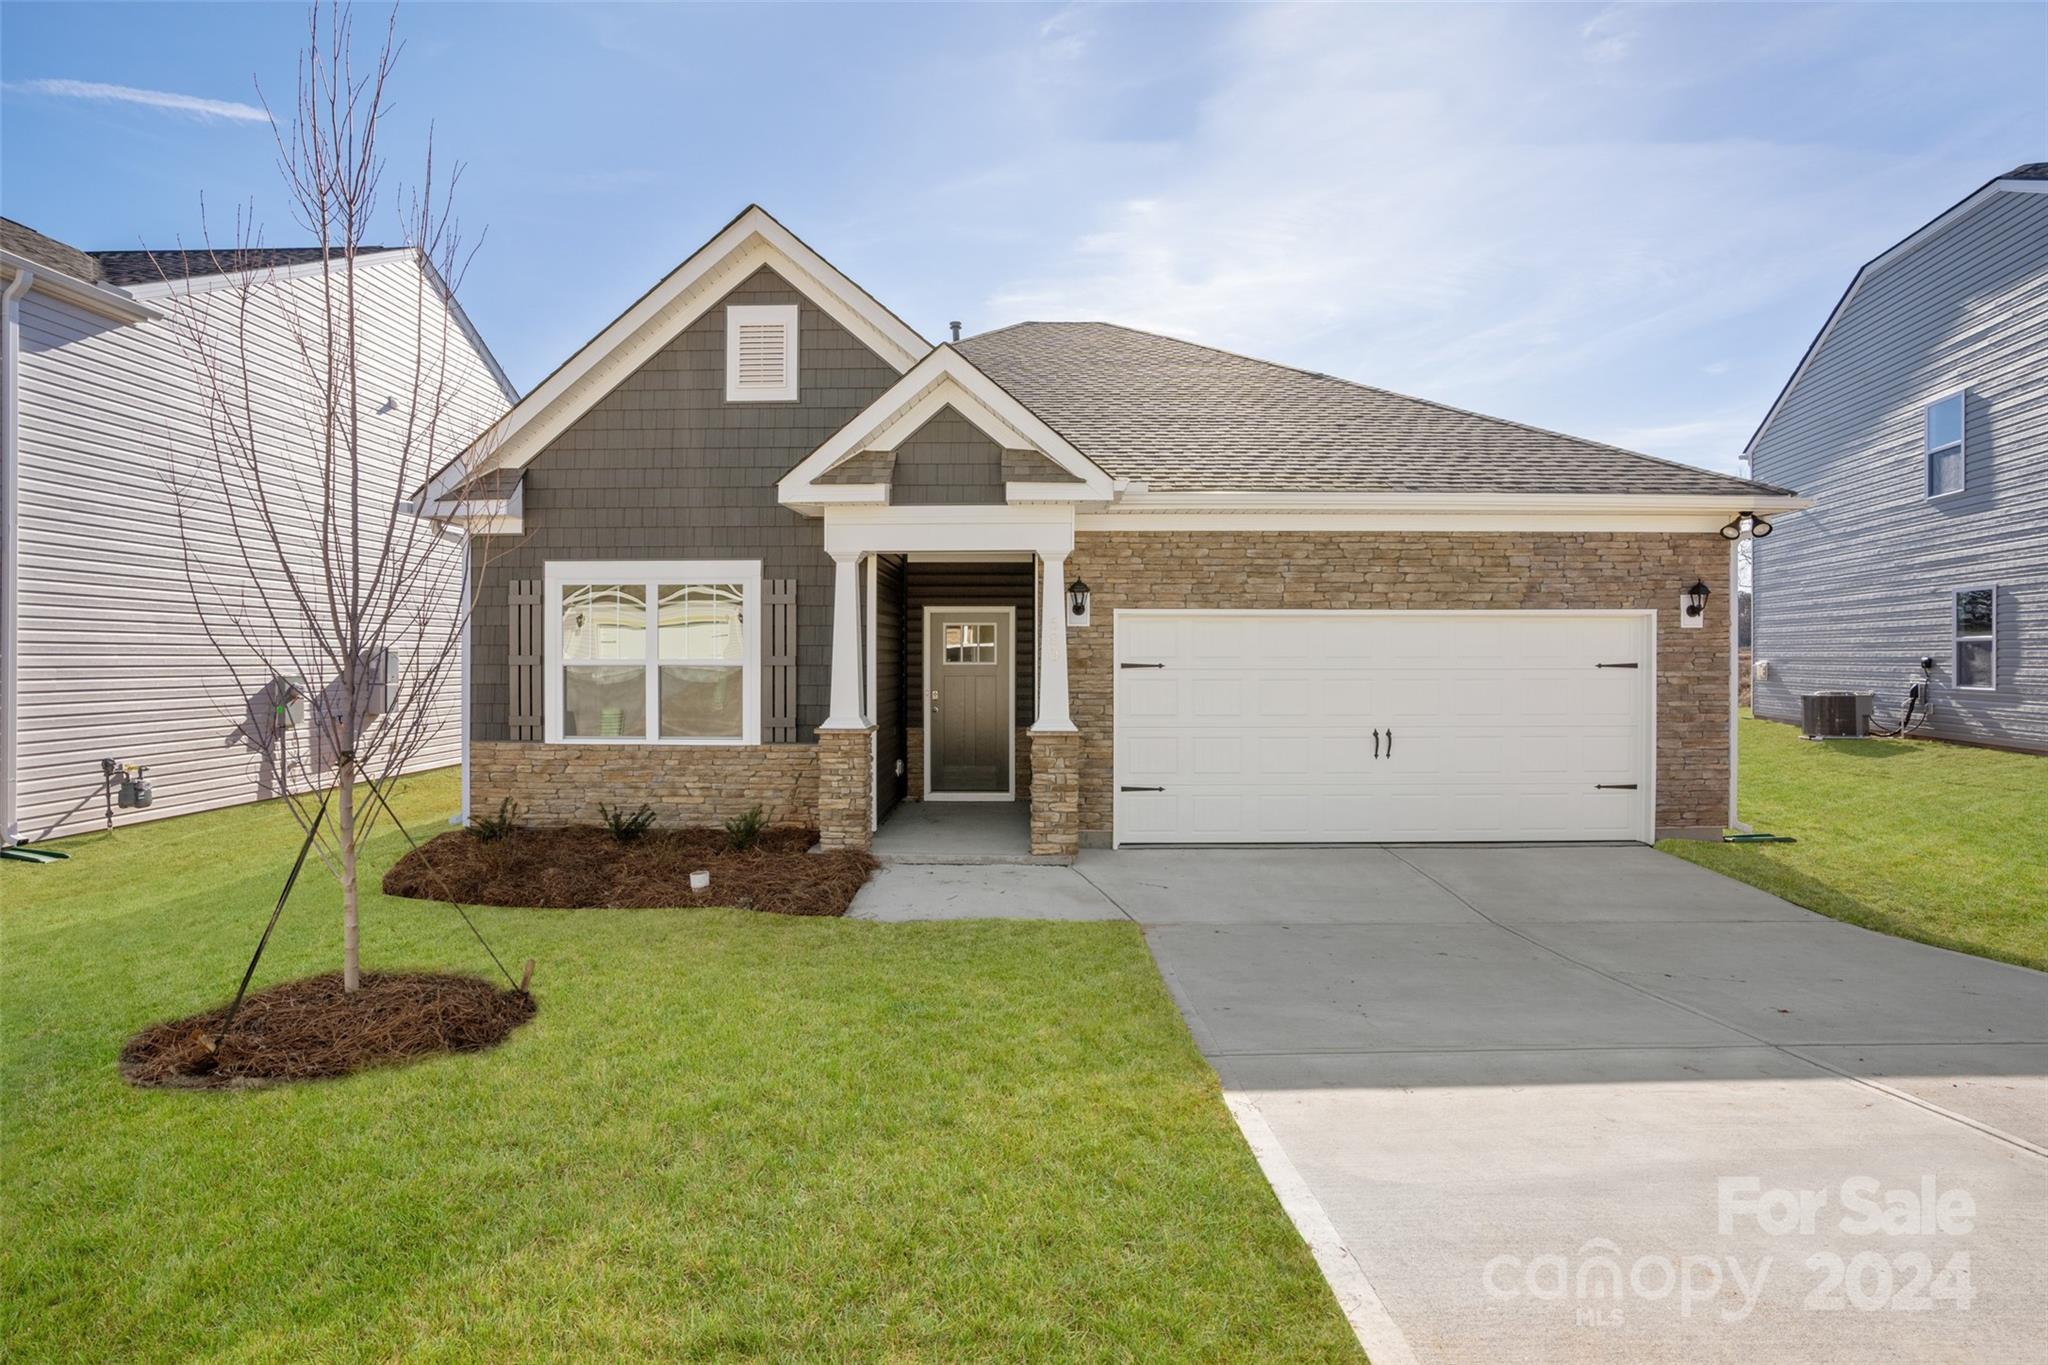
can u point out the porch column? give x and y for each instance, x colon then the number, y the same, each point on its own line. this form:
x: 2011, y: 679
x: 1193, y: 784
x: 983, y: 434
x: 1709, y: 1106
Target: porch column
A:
x: 1055, y: 744
x: 846, y: 646
x: 1052, y: 650
x: 846, y: 739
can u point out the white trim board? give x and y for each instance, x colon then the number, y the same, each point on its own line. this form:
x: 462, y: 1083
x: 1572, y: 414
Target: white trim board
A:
x: 1009, y: 668
x: 685, y: 294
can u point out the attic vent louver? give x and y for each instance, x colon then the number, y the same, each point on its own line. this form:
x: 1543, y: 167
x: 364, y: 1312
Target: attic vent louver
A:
x: 760, y: 353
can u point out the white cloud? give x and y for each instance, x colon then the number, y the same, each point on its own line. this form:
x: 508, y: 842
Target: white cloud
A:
x: 193, y: 105
x: 1609, y: 35
x: 1428, y: 201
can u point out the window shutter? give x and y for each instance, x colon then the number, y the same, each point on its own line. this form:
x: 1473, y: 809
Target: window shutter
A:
x: 778, y: 660
x: 523, y: 713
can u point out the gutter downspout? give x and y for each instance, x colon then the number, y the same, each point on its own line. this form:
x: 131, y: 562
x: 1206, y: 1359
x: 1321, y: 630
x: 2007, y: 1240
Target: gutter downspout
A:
x: 10, y: 547
x: 465, y: 606
x: 1735, y: 669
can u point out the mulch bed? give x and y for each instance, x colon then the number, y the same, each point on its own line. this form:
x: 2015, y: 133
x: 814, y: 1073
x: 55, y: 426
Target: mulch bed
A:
x: 311, y: 1029
x: 585, y: 868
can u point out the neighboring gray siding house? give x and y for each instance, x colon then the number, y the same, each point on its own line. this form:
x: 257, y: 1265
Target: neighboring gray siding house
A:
x: 1918, y: 424
x: 103, y: 654
x: 760, y: 543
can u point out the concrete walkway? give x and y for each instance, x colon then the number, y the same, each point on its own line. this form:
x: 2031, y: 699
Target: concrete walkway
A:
x: 1488, y: 1081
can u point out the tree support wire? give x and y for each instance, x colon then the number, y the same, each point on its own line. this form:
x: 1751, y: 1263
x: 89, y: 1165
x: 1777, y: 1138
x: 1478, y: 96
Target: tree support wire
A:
x: 378, y: 792
x: 291, y: 880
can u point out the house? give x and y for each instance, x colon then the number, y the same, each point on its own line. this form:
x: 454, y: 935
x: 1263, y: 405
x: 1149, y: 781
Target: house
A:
x: 1917, y: 421
x: 104, y: 654
x: 760, y: 542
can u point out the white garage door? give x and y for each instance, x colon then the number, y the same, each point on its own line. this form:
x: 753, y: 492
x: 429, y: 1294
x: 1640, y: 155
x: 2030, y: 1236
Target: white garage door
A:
x: 1325, y: 727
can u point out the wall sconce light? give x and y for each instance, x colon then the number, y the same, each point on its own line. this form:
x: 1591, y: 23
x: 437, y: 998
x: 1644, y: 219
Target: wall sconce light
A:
x: 1696, y: 602
x: 1077, y: 603
x: 1756, y: 527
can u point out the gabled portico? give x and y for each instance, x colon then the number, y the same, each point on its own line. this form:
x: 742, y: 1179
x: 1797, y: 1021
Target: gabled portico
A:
x: 946, y: 466
x: 859, y: 539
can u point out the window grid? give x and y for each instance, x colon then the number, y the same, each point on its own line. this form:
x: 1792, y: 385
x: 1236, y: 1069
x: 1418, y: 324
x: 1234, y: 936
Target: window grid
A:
x: 1944, y: 446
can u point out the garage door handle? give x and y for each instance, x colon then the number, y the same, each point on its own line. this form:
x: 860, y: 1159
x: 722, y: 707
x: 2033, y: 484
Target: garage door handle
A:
x: 1141, y: 789
x: 1614, y: 786
x: 1375, y: 744
x: 1617, y: 665
x: 1141, y: 665
x: 1390, y: 741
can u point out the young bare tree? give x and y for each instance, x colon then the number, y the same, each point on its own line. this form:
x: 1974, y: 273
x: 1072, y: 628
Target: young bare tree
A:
x: 338, y: 612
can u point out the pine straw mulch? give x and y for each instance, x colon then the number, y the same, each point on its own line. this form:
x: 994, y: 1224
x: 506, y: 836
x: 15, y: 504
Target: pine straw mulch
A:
x: 585, y: 868
x: 310, y: 1029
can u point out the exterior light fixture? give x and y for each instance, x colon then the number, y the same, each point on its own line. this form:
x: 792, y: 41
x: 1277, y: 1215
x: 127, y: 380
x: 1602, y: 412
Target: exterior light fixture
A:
x: 1696, y: 599
x: 1756, y: 527
x: 1077, y: 603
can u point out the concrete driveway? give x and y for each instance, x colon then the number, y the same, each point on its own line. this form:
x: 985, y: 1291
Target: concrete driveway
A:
x: 1597, y: 1104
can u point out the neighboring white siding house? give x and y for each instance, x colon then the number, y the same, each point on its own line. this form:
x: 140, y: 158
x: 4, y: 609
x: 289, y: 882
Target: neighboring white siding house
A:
x: 1918, y: 423
x: 106, y: 655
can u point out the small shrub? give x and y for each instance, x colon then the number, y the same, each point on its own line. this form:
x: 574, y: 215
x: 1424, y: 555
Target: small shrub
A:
x: 626, y: 826
x: 744, y: 831
x: 491, y: 828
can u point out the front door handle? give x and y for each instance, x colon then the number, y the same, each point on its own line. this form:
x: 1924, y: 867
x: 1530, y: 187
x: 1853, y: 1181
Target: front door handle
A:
x: 1375, y: 743
x: 1390, y: 741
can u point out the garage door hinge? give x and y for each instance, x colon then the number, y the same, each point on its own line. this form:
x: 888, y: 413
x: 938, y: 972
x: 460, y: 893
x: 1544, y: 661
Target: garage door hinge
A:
x: 1141, y: 665
x: 1617, y: 665
x: 1141, y: 789
x: 1614, y: 786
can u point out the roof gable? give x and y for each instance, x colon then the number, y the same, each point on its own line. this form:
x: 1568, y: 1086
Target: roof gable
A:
x: 943, y: 379
x: 743, y: 246
x: 2028, y: 179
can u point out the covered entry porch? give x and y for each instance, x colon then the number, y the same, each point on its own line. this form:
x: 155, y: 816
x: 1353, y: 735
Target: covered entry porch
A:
x: 949, y: 682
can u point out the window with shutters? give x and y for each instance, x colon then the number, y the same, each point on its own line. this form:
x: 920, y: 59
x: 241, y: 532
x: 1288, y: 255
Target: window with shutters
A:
x: 760, y: 353
x: 654, y: 653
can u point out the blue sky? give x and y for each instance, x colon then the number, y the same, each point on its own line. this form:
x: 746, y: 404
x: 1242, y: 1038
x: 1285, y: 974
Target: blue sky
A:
x: 1624, y: 222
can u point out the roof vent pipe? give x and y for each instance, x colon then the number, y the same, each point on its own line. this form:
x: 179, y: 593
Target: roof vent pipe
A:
x: 956, y: 330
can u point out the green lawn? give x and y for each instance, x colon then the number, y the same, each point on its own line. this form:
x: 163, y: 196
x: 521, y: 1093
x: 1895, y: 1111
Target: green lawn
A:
x: 1936, y: 842
x: 725, y: 1136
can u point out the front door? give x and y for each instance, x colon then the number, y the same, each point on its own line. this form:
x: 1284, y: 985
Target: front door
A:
x: 970, y: 680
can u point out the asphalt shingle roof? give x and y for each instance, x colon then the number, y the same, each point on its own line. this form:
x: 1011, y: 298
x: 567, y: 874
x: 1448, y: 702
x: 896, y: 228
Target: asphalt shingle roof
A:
x: 1188, y: 418
x: 148, y: 267
x: 26, y: 242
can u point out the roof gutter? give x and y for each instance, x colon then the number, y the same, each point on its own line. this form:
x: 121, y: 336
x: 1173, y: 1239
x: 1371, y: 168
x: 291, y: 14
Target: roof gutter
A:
x: 94, y: 298
x: 1138, y: 499
x: 10, y: 544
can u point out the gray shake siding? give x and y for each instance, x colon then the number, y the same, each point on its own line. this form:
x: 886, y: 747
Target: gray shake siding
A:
x: 663, y: 467
x: 947, y: 460
x: 1853, y: 592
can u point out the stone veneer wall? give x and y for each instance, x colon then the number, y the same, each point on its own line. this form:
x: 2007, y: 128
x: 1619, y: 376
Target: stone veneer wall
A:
x: 1271, y: 570
x: 1056, y: 805
x: 913, y: 763
x: 845, y: 794
x: 562, y: 784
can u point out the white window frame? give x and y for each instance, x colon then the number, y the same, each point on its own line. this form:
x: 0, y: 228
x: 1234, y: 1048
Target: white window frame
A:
x: 1956, y: 638
x: 1961, y: 445
x: 737, y: 315
x: 654, y: 574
